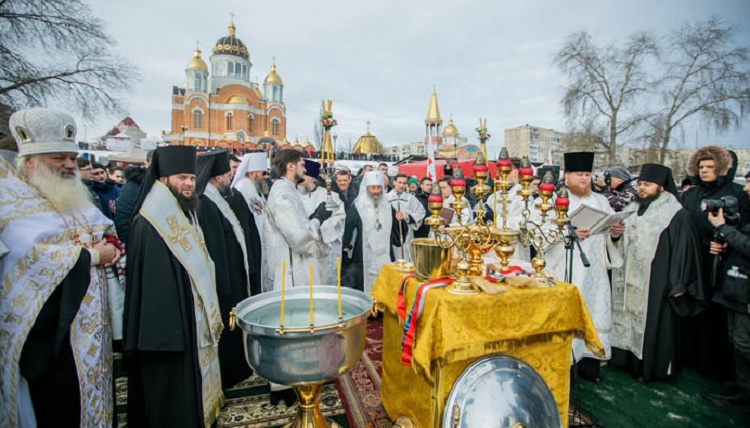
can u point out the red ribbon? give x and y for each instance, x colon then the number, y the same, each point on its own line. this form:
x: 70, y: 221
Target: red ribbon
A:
x: 410, y: 327
x: 400, y: 301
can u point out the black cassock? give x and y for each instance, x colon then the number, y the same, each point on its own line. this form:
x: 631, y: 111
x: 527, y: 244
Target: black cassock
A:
x: 231, y: 288
x: 160, y: 348
x: 676, y: 268
x: 252, y: 239
x: 47, y: 360
x: 352, y: 271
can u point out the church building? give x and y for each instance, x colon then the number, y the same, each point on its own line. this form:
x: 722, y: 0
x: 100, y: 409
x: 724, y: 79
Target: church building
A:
x: 222, y: 107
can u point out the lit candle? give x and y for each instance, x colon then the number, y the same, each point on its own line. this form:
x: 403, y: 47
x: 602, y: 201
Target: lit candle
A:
x: 312, y: 320
x: 338, y: 279
x: 283, y: 279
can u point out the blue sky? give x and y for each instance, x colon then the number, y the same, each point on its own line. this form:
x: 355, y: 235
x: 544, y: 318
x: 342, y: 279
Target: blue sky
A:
x: 378, y: 60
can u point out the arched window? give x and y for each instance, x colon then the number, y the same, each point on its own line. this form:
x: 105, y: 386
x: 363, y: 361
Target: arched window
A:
x: 275, y: 127
x: 229, y: 121
x: 197, y: 119
x: 230, y: 71
x: 238, y: 70
x: 250, y: 123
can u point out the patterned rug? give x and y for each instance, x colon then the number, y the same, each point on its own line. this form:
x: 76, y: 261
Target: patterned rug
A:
x: 359, y: 388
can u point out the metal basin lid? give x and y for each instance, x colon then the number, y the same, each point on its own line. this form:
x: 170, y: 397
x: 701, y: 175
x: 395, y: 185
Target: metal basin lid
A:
x: 500, y: 391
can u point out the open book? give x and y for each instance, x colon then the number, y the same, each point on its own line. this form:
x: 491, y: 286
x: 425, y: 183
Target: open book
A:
x: 596, y: 220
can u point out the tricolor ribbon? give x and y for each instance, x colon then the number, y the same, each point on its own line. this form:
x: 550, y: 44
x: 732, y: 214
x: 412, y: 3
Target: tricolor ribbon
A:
x: 400, y: 301
x: 410, y: 326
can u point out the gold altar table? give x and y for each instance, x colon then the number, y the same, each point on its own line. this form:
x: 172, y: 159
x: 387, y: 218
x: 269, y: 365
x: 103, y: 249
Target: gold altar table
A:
x: 536, y: 325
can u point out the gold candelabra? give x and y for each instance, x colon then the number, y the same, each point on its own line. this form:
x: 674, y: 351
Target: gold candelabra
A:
x: 475, y: 238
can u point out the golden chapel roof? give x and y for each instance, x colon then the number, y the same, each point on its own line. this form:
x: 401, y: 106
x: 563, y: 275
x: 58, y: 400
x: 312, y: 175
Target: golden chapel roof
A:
x: 273, y: 76
x: 450, y: 130
x: 197, y: 63
x: 238, y: 99
x: 368, y: 144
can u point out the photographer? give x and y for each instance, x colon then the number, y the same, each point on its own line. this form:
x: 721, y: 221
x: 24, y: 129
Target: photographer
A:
x: 733, y: 292
x: 703, y: 335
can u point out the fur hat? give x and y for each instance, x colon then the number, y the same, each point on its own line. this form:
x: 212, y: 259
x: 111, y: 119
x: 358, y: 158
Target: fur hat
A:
x: 40, y: 130
x: 715, y: 153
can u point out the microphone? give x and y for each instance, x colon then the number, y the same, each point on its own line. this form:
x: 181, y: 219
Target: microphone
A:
x: 574, y: 238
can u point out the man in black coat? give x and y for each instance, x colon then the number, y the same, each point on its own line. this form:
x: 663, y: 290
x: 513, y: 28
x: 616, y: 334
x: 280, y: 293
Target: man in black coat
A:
x: 705, y: 336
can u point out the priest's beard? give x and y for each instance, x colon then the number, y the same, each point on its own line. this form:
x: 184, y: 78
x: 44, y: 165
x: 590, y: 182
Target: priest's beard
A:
x: 580, y: 192
x: 189, y: 203
x: 305, y: 187
x: 261, y: 186
x: 224, y: 190
x: 645, y: 201
x: 66, y: 194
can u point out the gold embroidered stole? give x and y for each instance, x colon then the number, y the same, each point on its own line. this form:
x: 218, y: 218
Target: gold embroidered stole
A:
x: 185, y: 242
x: 41, y: 254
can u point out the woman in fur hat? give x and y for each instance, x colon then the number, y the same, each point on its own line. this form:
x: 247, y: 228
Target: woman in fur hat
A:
x: 705, y: 336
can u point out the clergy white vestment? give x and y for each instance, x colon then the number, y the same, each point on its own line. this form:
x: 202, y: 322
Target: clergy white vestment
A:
x: 291, y: 238
x: 592, y: 282
x: 331, y: 232
x: 408, y: 205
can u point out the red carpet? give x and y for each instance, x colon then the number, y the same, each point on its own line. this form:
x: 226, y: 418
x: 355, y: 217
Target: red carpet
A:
x: 359, y: 388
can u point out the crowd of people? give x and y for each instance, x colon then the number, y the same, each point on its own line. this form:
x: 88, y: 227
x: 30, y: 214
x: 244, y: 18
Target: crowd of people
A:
x: 149, y: 260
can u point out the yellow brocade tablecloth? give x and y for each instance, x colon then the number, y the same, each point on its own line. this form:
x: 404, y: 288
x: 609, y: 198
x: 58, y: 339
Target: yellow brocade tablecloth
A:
x: 536, y: 325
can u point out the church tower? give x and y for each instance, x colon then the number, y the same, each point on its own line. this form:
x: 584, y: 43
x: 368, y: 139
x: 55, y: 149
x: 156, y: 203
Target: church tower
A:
x: 274, y: 87
x: 433, y: 123
x: 196, y: 74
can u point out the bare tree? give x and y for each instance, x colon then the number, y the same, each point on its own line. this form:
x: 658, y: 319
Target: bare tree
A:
x: 605, y: 82
x: 706, y: 76
x: 56, y: 51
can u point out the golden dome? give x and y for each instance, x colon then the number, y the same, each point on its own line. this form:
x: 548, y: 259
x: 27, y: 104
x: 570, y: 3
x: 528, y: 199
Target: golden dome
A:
x: 238, y: 99
x: 450, y: 130
x: 231, y: 45
x: 258, y: 93
x: 368, y: 144
x: 273, y: 76
x: 197, y: 62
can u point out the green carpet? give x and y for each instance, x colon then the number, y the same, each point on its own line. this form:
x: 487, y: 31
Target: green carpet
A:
x: 621, y: 401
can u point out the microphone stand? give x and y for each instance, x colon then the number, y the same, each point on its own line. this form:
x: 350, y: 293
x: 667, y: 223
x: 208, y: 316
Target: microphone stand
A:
x: 574, y: 238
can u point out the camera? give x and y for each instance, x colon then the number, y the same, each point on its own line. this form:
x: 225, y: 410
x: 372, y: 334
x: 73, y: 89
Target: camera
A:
x: 728, y: 203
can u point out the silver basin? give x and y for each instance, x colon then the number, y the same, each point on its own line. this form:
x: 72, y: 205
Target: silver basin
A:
x: 299, y: 355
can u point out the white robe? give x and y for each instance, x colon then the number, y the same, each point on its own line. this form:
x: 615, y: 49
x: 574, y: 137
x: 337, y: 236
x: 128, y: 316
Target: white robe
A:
x: 592, y: 282
x: 375, y: 242
x: 331, y: 232
x: 291, y: 239
x: 409, y: 205
x: 249, y: 192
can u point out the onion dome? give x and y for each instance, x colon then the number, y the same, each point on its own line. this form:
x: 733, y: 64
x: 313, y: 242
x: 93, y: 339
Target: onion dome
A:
x: 197, y: 62
x: 231, y: 45
x: 238, y: 99
x: 368, y: 144
x: 309, y: 146
x: 273, y: 76
x: 450, y: 130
